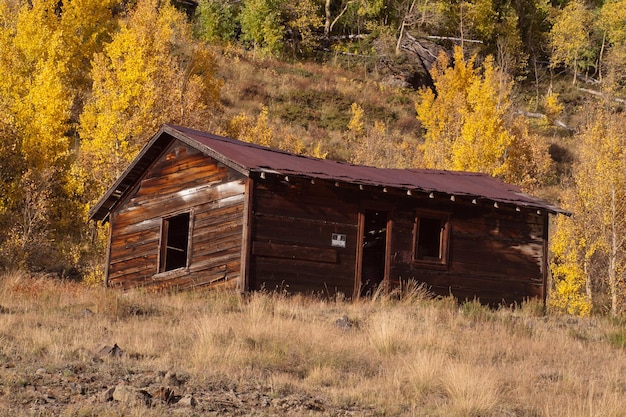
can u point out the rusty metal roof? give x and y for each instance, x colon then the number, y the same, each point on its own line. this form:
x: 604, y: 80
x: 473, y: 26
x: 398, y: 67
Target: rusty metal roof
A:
x: 251, y: 159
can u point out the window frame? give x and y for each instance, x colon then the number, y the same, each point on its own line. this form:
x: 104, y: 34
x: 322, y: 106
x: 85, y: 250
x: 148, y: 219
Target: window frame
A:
x: 444, y: 239
x: 163, y: 243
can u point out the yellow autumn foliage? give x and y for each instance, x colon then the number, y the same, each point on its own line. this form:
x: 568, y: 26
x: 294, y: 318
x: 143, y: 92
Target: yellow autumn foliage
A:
x: 151, y: 73
x: 569, y: 292
x: 468, y: 124
x: 249, y: 129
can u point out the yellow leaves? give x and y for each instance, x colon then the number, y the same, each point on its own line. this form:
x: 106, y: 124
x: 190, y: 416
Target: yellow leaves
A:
x: 34, y: 82
x: 464, y: 123
x: 552, y: 107
x: 569, y: 37
x: 528, y: 161
x: 246, y: 129
x: 356, y: 125
x: 594, y: 239
x: 569, y: 292
x: 612, y: 19
x: 152, y: 72
x: 483, y: 140
x: 260, y: 131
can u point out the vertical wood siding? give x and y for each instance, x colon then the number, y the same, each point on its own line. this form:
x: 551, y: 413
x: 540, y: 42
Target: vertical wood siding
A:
x: 181, y: 180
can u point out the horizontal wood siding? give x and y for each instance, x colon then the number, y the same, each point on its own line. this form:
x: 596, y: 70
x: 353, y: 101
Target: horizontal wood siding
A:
x: 182, y: 180
x: 495, y: 255
x: 292, y: 229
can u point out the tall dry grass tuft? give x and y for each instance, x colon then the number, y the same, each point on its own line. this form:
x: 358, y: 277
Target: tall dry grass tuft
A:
x: 388, y: 331
x: 471, y: 391
x: 424, y: 373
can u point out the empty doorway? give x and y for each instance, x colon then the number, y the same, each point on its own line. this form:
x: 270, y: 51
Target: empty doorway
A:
x: 372, y: 268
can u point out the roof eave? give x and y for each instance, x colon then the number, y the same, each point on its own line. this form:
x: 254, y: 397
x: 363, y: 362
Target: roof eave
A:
x: 412, y: 190
x: 205, y: 150
x: 102, y: 209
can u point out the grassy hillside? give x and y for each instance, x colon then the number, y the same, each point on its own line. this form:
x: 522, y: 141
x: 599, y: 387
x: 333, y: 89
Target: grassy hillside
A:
x: 313, y: 101
x: 72, y: 351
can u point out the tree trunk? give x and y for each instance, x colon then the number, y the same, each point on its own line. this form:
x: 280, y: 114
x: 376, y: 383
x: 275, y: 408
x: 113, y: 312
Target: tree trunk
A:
x: 601, y: 57
x: 613, y: 254
x: 403, y: 25
x: 328, y: 17
x: 588, y: 284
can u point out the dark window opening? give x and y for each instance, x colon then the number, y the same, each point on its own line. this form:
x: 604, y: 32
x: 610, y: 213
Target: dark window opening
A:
x: 431, y: 239
x: 175, y: 242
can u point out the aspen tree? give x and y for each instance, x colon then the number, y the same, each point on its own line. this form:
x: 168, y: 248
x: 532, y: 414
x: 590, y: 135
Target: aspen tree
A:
x: 262, y: 25
x: 572, y: 290
x: 248, y: 129
x: 38, y: 90
x: 600, y: 184
x: 569, y: 37
x: 150, y: 73
x: 468, y: 124
x: 440, y: 114
x: 612, y: 23
x: 590, y: 247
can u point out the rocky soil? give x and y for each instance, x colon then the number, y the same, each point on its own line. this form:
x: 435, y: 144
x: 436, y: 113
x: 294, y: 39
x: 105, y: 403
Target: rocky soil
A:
x: 107, y: 382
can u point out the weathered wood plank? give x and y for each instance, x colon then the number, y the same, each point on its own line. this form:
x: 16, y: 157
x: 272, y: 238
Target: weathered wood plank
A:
x: 290, y: 230
x: 273, y: 273
x: 184, y: 179
x: 220, y: 195
x: 136, y: 238
x: 300, y: 252
x: 306, y: 208
x: 494, y: 257
x: 226, y: 229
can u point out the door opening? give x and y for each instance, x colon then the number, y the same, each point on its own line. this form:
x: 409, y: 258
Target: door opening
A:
x: 373, y: 251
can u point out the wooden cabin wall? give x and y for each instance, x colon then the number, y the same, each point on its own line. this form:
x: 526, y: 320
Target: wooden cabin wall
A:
x: 496, y: 255
x: 292, y: 231
x: 182, y: 180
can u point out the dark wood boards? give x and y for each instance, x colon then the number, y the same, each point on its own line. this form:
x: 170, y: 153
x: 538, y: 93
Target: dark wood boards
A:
x: 301, y: 252
x: 495, y: 255
x: 292, y: 229
x: 183, y: 179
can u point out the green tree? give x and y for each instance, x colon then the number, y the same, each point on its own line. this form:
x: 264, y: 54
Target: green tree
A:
x: 274, y: 27
x: 262, y: 25
x: 216, y: 20
x: 570, y: 37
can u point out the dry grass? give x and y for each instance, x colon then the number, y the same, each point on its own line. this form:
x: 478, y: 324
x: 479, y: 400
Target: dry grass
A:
x: 405, y: 355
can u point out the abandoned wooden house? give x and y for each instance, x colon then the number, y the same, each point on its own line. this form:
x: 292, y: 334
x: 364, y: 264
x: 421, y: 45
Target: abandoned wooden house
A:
x: 196, y: 210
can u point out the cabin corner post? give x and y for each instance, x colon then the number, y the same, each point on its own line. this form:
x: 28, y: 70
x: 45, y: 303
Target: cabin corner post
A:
x: 107, y: 263
x: 544, y: 258
x: 388, y: 260
x: 246, y: 236
x: 359, y: 256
